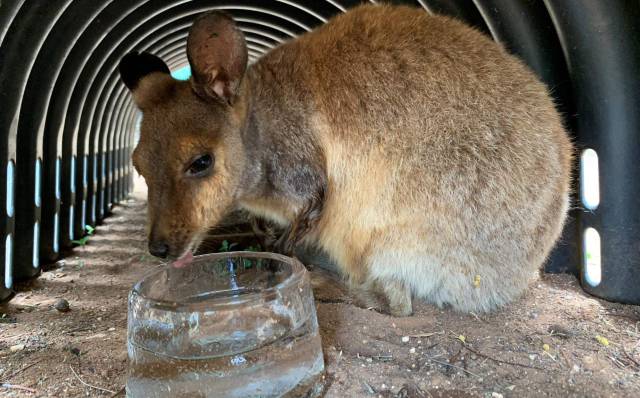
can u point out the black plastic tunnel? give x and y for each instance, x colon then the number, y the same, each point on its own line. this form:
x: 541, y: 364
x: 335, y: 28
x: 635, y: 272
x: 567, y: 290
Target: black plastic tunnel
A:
x: 601, y: 43
x: 68, y: 125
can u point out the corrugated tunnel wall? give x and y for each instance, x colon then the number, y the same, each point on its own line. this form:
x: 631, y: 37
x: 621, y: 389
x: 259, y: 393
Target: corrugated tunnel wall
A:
x: 67, y: 123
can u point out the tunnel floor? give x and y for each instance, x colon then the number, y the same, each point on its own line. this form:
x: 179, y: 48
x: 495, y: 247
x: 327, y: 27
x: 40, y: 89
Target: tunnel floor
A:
x: 544, y: 344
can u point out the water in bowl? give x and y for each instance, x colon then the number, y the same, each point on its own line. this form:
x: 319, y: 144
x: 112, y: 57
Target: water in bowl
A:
x: 229, y: 325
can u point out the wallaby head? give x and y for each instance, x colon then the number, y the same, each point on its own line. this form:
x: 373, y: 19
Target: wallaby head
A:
x: 190, y: 151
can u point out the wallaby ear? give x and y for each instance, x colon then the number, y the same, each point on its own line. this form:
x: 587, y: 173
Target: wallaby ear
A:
x: 133, y: 67
x: 217, y: 53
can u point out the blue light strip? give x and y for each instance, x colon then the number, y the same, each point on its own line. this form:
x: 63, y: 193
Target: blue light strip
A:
x: 10, y: 188
x: 71, y: 221
x: 56, y: 233
x: 38, y: 183
x: 36, y: 245
x: 72, y: 183
x: 8, y: 262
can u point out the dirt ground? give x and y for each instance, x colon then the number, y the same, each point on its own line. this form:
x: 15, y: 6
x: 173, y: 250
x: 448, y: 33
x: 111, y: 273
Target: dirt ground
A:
x: 549, y: 343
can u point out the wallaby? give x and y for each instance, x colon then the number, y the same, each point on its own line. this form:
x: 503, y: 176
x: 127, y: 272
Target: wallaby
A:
x: 420, y: 155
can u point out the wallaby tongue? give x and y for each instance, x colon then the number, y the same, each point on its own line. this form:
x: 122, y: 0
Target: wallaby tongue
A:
x: 183, y: 261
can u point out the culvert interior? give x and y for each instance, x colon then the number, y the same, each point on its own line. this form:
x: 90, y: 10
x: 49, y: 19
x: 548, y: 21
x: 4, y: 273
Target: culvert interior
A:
x: 68, y: 125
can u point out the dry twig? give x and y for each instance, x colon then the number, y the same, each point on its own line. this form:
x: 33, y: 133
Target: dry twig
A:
x: 630, y: 357
x: 617, y: 362
x: 78, y: 329
x: 18, y: 387
x: 368, y: 388
x: 477, y: 317
x: 120, y: 391
x: 17, y: 372
x: 419, y: 335
x: 383, y: 358
x: 500, y: 360
x: 454, y: 366
x: 89, y: 385
x: 16, y: 336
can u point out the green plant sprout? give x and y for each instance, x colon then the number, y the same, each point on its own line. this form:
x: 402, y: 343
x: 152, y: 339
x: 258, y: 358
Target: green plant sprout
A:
x: 82, y: 241
x: 256, y: 248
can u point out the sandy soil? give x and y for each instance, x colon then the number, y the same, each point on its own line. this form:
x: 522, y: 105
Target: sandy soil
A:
x: 545, y: 344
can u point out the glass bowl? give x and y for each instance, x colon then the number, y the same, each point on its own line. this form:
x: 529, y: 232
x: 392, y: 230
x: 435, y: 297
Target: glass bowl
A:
x: 238, y: 324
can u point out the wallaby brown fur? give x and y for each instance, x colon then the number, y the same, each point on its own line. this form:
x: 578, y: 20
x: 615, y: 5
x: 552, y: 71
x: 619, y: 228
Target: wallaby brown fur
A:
x: 420, y: 155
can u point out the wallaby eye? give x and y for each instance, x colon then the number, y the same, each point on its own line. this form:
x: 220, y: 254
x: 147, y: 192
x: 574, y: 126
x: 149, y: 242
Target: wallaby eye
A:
x: 200, y: 166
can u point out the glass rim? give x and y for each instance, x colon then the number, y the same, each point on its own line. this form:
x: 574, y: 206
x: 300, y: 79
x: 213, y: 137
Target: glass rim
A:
x: 298, y: 271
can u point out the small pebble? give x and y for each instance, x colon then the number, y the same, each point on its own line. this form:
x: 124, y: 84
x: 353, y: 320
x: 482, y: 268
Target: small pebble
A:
x: 75, y: 351
x: 368, y: 388
x: 16, y: 348
x: 412, y: 350
x: 62, y: 305
x: 560, y: 331
x: 112, y: 329
x: 405, y: 339
x: 496, y: 395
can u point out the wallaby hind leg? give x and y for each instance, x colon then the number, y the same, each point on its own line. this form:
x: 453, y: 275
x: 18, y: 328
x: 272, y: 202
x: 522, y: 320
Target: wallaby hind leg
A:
x: 398, y: 297
x: 373, y: 293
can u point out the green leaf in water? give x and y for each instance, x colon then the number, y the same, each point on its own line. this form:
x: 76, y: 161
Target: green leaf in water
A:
x: 225, y: 246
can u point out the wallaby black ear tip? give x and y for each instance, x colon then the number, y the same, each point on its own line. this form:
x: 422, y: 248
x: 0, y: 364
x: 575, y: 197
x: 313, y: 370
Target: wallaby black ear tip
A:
x: 128, y: 59
x: 134, y: 66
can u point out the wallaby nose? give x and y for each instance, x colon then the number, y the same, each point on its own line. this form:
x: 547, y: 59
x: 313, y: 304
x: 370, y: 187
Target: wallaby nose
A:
x: 159, y: 248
